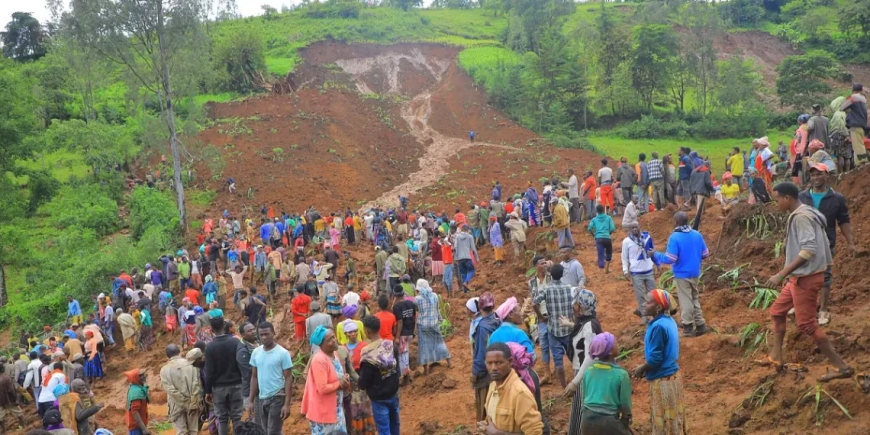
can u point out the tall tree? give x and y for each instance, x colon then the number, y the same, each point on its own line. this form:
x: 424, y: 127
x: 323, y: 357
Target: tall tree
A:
x: 653, y: 54
x: 612, y: 46
x: 24, y: 38
x: 17, y: 121
x: 739, y: 82
x: 150, y: 38
x: 800, y: 81
x: 535, y: 18
x: 703, y: 26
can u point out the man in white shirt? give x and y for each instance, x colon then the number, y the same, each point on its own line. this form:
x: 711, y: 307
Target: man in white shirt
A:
x: 350, y: 298
x: 34, y: 375
x: 573, y: 196
x: 637, y: 265
x: 46, y: 394
x: 629, y: 218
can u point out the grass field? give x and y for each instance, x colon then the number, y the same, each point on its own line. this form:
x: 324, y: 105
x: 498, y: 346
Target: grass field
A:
x: 717, y: 150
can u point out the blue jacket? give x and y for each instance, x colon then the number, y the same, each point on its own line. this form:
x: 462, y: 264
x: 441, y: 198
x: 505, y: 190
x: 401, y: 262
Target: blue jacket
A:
x: 265, y: 231
x: 661, y: 347
x: 508, y: 332
x: 686, y: 167
x: 601, y: 226
x: 485, y: 328
x: 685, y: 252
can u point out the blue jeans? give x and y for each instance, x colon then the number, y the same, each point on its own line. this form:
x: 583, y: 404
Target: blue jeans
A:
x: 642, y: 198
x: 466, y: 270
x: 386, y: 415
x: 448, y: 277
x: 566, y: 240
x: 605, y: 251
x: 544, y: 341
x: 558, y: 346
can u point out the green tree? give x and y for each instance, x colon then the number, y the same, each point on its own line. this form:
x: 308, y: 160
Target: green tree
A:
x: 239, y: 59
x: 24, y: 38
x: 653, y: 54
x: 854, y: 16
x: 150, y: 39
x: 742, y: 13
x: 535, y: 18
x: 739, y: 81
x: 703, y: 26
x: 801, y: 78
x: 611, y: 48
x: 103, y: 145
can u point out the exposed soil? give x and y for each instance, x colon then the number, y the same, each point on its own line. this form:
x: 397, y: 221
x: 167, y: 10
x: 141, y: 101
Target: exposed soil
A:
x: 434, y: 107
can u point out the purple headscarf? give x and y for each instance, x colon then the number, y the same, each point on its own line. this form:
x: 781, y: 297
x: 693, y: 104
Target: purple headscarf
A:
x: 602, y: 345
x: 349, y: 311
x: 521, y: 361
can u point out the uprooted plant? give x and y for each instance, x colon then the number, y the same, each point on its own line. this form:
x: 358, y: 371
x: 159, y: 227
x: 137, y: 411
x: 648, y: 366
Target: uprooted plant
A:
x: 762, y: 225
x: 751, y: 337
x: 764, y: 298
x: 816, y: 393
x: 760, y: 393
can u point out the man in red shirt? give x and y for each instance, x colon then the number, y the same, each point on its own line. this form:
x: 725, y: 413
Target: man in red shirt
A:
x: 126, y: 278
x: 299, y: 307
x: 387, y: 318
x: 459, y: 218
x: 587, y: 192
x: 193, y: 295
x: 402, y: 224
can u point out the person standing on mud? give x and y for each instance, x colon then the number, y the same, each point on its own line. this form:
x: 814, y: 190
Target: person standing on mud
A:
x: 806, y: 260
x: 637, y: 266
x: 471, y: 135
x: 183, y: 389
x: 481, y: 329
x: 465, y: 254
x: 380, y: 264
x: 271, y: 381
x: 574, y: 196
x: 833, y: 205
x: 223, y: 381
x: 517, y: 409
x: 560, y: 303
x: 686, y: 249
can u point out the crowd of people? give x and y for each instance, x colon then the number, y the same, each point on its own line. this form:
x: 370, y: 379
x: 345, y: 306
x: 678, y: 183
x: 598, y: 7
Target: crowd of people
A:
x: 360, y: 334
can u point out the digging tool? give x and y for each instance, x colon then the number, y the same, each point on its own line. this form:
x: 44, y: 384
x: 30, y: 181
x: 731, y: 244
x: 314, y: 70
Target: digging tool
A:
x: 696, y: 223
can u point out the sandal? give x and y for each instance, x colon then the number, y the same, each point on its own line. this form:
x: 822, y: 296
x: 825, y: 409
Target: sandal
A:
x: 829, y: 376
x: 769, y: 362
x: 795, y: 367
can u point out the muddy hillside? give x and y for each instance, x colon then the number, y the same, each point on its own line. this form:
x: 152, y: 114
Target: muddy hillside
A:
x: 369, y: 123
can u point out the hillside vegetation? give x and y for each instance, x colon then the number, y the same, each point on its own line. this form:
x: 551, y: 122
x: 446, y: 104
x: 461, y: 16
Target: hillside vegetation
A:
x: 82, y: 116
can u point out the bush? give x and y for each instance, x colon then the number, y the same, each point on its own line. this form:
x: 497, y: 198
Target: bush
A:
x: 238, y: 59
x: 84, y: 207
x: 650, y: 127
x: 334, y: 9
x: 151, y: 208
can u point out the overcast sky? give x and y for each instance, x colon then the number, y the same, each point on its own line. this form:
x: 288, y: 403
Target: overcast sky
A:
x: 37, y: 8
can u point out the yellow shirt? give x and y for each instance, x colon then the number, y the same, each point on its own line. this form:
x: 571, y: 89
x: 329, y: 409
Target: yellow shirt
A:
x: 515, y: 410
x: 735, y: 162
x: 389, y: 226
x: 357, y: 223
x: 341, y: 337
x: 730, y: 192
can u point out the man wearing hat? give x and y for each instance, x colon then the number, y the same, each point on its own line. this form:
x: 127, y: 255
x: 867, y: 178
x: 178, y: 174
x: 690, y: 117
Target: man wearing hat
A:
x: 183, y: 389
x: 833, y: 205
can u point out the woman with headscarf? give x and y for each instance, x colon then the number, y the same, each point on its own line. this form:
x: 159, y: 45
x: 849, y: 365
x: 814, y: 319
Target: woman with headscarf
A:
x: 496, y: 240
x: 798, y: 148
x: 840, y: 148
x: 661, y: 352
x: 606, y: 391
x: 430, y: 343
x: 509, y: 330
x: 209, y: 290
x: 78, y: 406
x: 189, y: 320
x: 128, y: 329
x: 531, y: 200
x: 94, y: 365
x: 322, y: 399
x: 764, y: 160
x: 818, y: 155
x: 584, y: 328
x: 360, y: 416
x: 349, y: 313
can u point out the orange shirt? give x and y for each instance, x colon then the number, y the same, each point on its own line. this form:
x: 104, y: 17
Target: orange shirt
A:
x: 301, y: 304
x: 348, y: 221
x: 388, y: 320
x: 509, y: 208
x: 589, y: 186
x: 447, y: 254
x: 459, y: 218
x: 193, y: 295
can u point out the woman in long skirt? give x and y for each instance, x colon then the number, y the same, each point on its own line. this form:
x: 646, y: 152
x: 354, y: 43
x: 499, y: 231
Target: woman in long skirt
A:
x: 496, y: 240
x: 362, y: 422
x: 667, y: 409
x: 586, y: 326
x: 146, y: 330
x: 94, y: 365
x: 430, y: 345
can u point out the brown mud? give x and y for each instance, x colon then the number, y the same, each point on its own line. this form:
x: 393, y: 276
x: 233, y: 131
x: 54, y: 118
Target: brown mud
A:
x: 382, y: 110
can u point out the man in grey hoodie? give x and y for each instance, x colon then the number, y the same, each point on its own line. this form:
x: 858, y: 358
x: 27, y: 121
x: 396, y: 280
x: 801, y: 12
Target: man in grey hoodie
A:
x: 463, y: 250
x: 807, y: 255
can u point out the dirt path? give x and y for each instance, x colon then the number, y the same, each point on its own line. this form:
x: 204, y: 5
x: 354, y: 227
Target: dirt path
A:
x: 417, y: 111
